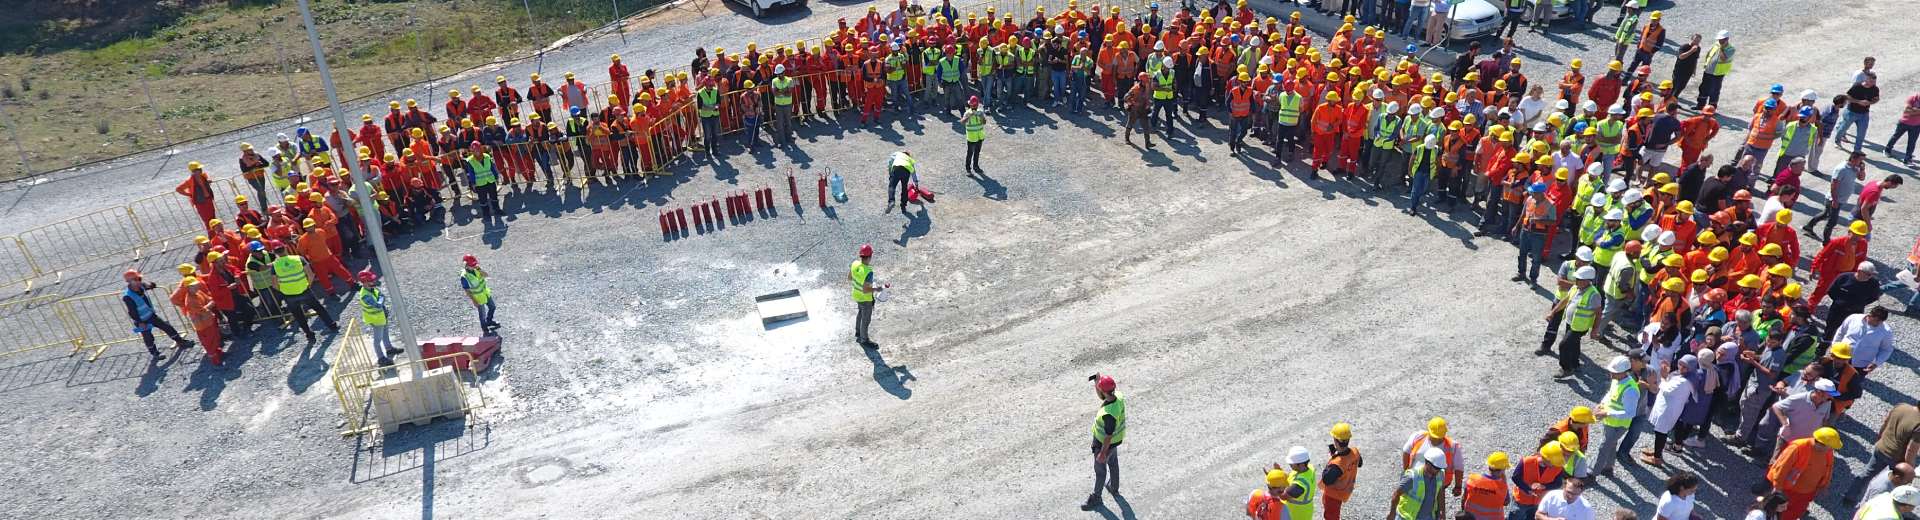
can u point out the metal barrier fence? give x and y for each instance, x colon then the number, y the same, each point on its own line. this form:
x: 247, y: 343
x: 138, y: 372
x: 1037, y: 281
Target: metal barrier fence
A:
x: 35, y: 323
x: 355, y: 370
x: 115, y: 232
x: 100, y: 321
x: 16, y: 266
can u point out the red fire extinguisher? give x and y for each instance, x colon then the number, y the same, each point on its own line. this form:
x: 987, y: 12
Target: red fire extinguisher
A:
x: 823, y: 191
x: 680, y: 219
x: 665, y: 231
x: 793, y: 189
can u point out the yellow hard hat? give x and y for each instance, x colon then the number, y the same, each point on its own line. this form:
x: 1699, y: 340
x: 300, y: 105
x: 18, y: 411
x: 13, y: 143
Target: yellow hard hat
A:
x: 1523, y: 158
x: 193, y: 165
x: 1780, y: 270
x: 1666, y: 84
x: 1614, y: 65
x: 1333, y: 96
x: 1673, y: 260
x: 1791, y: 290
x: 1771, y: 250
x: 1644, y: 112
x: 1436, y: 427
x: 308, y: 223
x: 1544, y: 160
x: 366, y: 117
x: 1590, y: 131
x: 1506, y: 137
x: 238, y: 199
x: 1498, y: 460
x: 1717, y: 255
x: 315, y: 196
x: 1707, y: 238
x: 1276, y: 478
x: 1685, y: 206
x: 1539, y: 147
x: 1560, y: 174
x: 292, y: 199
x: 1554, y: 454
x: 1655, y: 16
x: 1828, y: 437
x: 1515, y: 62
x: 200, y: 239
x: 534, y: 76
x: 412, y: 103
x: 1454, y: 126
x: 1568, y: 439
x: 1342, y: 431
x: 1581, y: 414
x: 1749, y: 282
x: 215, y: 255
x: 251, y: 232
x: 185, y: 269
x: 1245, y: 77
x: 1841, y: 350
x: 1698, y: 276
x: 1859, y: 227
x: 1673, y: 285
x: 1674, y: 189
x: 455, y: 93
x: 1333, y: 76
x: 616, y: 57
x: 1576, y: 63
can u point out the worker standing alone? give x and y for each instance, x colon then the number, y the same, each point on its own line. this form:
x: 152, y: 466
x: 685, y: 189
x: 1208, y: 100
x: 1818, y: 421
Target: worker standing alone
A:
x: 140, y: 310
x: 861, y: 274
x: 473, y: 280
x: 1109, y: 429
x: 198, y: 189
x: 373, y: 312
x: 975, y: 121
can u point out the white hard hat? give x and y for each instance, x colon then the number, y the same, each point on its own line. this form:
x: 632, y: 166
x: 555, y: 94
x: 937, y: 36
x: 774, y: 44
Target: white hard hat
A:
x: 1393, y: 106
x: 1589, y: 105
x: 1615, y: 214
x: 1617, y: 186
x: 779, y: 69
x: 1585, y: 254
x: 1435, y: 457
x: 1650, y: 233
x: 1723, y: 35
x: 1432, y: 141
x: 1619, y: 365
x: 1437, y: 113
x: 1617, y: 108
x: 1585, y: 273
x: 1596, y: 168
x: 1598, y: 200
x: 1809, y: 95
x: 1168, y: 61
x: 1160, y: 45
x: 1298, y: 455
x: 1907, y: 494
x: 1380, y: 94
x: 1562, y: 104
x: 1266, y: 60
x: 1632, y: 196
x: 1666, y: 238
x: 1540, y: 127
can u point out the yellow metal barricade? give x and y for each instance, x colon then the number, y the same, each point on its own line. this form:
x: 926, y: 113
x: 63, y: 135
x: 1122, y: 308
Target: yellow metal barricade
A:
x: 34, y: 323
x: 103, y: 234
x: 100, y: 321
x: 169, y: 216
x: 16, y: 265
x: 355, y: 370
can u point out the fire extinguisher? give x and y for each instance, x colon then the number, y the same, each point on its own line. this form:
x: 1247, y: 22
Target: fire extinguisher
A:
x: 793, y: 189
x: 680, y: 219
x: 823, y: 191
x: 665, y: 230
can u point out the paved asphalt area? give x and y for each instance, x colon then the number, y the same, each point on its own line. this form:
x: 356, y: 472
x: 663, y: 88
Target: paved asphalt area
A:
x: 1243, y: 310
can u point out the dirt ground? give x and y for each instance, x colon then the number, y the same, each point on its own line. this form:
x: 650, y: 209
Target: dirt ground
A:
x: 1243, y: 310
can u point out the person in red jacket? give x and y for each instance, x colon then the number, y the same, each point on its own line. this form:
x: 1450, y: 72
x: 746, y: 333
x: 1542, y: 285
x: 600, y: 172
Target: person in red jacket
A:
x: 479, y: 108
x: 617, y: 73
x: 1606, y: 88
x: 506, y: 98
x: 198, y: 189
x: 1353, y: 130
x: 370, y: 136
x: 1326, y: 132
x: 1780, y: 231
x: 1695, y: 133
x: 1840, y: 256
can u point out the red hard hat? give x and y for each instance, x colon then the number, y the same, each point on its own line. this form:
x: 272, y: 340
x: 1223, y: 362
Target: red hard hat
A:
x: 1105, y: 383
x: 276, y: 244
x: 866, y: 250
x: 131, y: 274
x: 973, y: 101
x: 367, y: 276
x: 470, y: 260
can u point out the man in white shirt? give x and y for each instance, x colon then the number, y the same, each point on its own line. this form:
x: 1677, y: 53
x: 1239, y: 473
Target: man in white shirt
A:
x: 1872, y: 342
x: 1565, y: 503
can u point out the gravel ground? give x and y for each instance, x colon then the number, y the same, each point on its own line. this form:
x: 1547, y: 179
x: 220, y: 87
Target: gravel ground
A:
x: 1243, y: 310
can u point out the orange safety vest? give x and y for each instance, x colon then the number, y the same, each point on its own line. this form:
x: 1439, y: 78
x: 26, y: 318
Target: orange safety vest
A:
x: 1241, y: 101
x: 1446, y: 445
x: 1532, y: 472
x: 1342, y: 488
x: 1485, y: 497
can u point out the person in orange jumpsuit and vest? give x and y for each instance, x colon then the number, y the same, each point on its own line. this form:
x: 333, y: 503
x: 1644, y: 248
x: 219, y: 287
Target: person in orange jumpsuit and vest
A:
x: 1838, y: 257
x: 326, y: 266
x: 198, y: 189
x: 1780, y: 231
x: 479, y: 108
x: 1240, y: 108
x: 225, y: 284
x: 194, y: 302
x: 1536, y: 475
x: 541, y: 95
x: 456, y: 109
x: 505, y: 97
x: 1803, y: 469
x: 323, y: 214
x: 395, y: 125
x: 617, y: 76
x: 1353, y: 131
x: 1342, y: 469
x: 1435, y: 436
x: 370, y: 136
x: 1486, y: 497
x: 1326, y: 131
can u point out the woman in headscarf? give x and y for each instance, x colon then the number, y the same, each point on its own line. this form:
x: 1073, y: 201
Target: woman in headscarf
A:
x: 1675, y: 392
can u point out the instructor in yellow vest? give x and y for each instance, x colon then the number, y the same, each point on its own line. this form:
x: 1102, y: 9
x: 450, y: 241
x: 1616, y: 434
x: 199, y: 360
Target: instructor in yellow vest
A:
x: 473, y: 281
x: 294, y: 279
x: 861, y: 274
x: 975, y: 121
x: 1109, y: 428
x: 373, y: 312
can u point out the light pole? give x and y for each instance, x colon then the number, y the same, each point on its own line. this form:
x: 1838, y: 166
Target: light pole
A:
x: 369, y: 213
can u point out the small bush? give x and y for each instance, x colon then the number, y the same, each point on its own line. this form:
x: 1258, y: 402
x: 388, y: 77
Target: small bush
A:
x: 101, y: 126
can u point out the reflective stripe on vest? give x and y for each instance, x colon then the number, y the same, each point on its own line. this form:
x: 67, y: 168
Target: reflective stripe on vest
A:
x: 1163, y: 85
x: 483, y: 173
x: 929, y: 60
x: 1786, y: 138
x: 896, y: 67
x: 371, y: 310
x: 1240, y: 101
x: 1531, y: 472
x: 1342, y: 488
x: 1118, y: 410
x: 1302, y: 506
x: 1485, y: 498
x: 858, y: 274
x: 950, y: 69
x: 1289, y: 102
x: 1616, y: 392
x: 141, y: 306
x: 292, y: 272
x: 782, y: 91
x: 1412, y: 502
x: 976, y: 126
x: 1383, y: 135
x: 984, y: 64
x: 1583, y: 315
x: 476, y: 287
x: 1610, y: 134
x: 709, y: 102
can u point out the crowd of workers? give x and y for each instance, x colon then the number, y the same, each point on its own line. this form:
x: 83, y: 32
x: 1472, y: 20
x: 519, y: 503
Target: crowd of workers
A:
x: 1704, y: 281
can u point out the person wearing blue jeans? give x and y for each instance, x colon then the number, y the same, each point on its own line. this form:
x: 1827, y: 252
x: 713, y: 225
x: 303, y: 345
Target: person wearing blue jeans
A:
x: 1860, y: 98
x: 1534, y: 223
x: 1416, y: 19
x: 902, y: 96
x: 1424, y: 160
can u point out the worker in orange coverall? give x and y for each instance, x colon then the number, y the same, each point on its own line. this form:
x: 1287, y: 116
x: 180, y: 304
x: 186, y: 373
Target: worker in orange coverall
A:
x: 1326, y: 131
x: 198, y: 189
x: 198, y: 307
x: 326, y: 266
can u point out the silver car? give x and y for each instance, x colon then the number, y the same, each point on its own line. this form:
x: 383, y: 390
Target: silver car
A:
x: 1472, y: 19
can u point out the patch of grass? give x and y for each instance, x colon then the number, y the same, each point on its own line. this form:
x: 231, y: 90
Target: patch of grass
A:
x: 131, y: 50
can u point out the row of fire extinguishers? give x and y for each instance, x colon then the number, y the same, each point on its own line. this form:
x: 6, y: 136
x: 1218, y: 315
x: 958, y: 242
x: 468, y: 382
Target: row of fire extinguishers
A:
x: 742, y: 207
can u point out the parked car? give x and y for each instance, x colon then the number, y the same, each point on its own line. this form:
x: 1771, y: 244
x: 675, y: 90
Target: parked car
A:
x: 760, y: 7
x: 1473, y: 19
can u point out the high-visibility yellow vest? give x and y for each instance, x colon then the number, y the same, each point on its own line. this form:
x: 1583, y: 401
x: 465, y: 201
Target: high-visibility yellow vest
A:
x: 291, y: 270
x: 1720, y: 59
x: 476, y: 287
x: 1116, y: 409
x: 976, y: 126
x: 1289, y: 102
x: 950, y: 68
x: 371, y: 310
x: 896, y: 66
x: 859, y: 274
x: 1302, y: 506
x: 782, y: 91
x: 984, y: 64
x: 1611, y: 132
x: 1383, y: 136
x: 929, y: 59
x: 483, y: 172
x: 709, y: 101
x: 1163, y: 85
x: 1583, y: 315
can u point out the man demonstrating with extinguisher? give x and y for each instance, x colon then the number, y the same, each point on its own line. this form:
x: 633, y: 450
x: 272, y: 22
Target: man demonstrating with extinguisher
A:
x: 1109, y: 428
x: 861, y: 274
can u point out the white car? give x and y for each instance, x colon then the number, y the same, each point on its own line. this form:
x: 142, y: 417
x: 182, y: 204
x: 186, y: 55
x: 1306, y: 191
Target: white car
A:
x: 760, y: 7
x: 1471, y: 19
